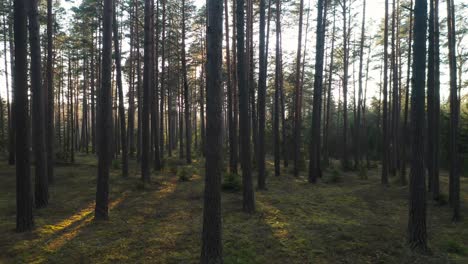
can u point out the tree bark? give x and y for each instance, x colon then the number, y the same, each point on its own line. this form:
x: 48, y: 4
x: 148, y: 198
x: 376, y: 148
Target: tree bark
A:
x: 105, y: 117
x: 118, y: 67
x: 41, y: 190
x: 298, y: 94
x: 24, y: 198
x: 212, y: 248
x: 417, y: 236
x: 248, y: 193
x: 314, y: 163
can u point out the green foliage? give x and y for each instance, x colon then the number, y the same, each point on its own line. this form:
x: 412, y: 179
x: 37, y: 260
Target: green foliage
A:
x: 185, y: 173
x: 363, y: 172
x: 333, y: 177
x: 116, y: 164
x: 173, y: 164
x: 62, y: 156
x: 454, y: 247
x: 231, y: 182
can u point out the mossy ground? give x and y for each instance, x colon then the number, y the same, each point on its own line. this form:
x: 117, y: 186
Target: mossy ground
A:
x: 351, y: 221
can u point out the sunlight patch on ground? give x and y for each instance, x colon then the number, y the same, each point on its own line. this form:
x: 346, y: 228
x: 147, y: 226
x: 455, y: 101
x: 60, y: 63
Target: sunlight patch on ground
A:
x: 82, y: 219
x: 274, y: 220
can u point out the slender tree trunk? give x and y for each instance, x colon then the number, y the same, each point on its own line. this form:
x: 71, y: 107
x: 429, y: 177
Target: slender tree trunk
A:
x: 395, y: 96
x: 24, y: 196
x: 131, y: 92
x: 235, y: 123
x: 212, y: 248
x: 105, y: 117
x: 261, y: 100
x: 408, y: 78
x: 326, y: 151
x: 454, y: 174
x: 229, y: 84
x: 147, y: 86
x: 314, y: 164
x: 162, y: 79
x: 188, y: 129
x: 417, y: 236
x: 155, y: 108
x: 276, y: 113
x: 41, y: 191
x: 360, y: 99
x: 385, y: 143
x: 435, y: 179
x: 118, y: 66
x: 248, y: 193
x: 11, y: 106
x: 298, y: 95
x: 50, y: 96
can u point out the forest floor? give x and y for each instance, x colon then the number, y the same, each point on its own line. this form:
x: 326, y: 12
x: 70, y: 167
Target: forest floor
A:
x: 348, y: 220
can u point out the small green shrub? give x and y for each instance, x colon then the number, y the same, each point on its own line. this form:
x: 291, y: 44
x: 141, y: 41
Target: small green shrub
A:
x: 185, y: 173
x: 116, y: 164
x: 231, y: 182
x: 332, y: 177
x: 173, y: 164
x: 62, y: 156
x: 454, y: 247
x: 363, y: 172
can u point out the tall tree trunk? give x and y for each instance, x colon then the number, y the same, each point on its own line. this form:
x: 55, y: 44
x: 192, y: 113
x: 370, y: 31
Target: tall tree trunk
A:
x: 395, y: 96
x: 41, y: 190
x: 155, y: 108
x: 314, y: 164
x: 326, y: 151
x: 248, y: 193
x: 212, y: 247
x: 454, y: 175
x: 188, y: 129
x: 105, y: 117
x: 11, y: 106
x: 385, y: 142
x: 24, y: 198
x: 162, y: 79
x: 147, y: 86
x: 235, y: 123
x: 408, y: 78
x: 417, y: 236
x: 118, y: 66
x: 229, y: 84
x: 430, y: 97
x: 298, y: 95
x: 50, y: 96
x: 436, y: 141
x: 131, y: 92
x: 278, y: 68
x: 261, y: 100
x: 360, y: 98
x: 344, y: 159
